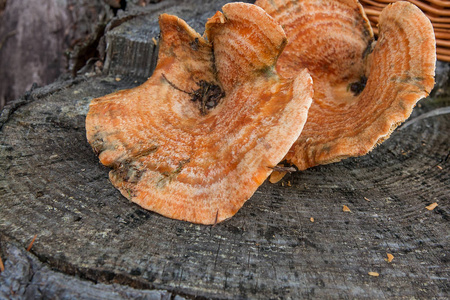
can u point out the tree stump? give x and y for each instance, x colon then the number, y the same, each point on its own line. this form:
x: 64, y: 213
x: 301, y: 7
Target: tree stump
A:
x: 290, y: 240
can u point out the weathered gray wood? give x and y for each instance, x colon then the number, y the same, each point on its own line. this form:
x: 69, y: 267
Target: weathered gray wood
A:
x: 28, y: 278
x: 52, y: 185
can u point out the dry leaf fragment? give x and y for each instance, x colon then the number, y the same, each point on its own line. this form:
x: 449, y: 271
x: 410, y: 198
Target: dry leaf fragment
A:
x: 2, y: 267
x: 375, y: 274
x: 196, y: 140
x: 312, y: 219
x: 276, y: 176
x: 432, y: 206
x: 389, y: 258
x: 345, y: 208
x: 362, y: 89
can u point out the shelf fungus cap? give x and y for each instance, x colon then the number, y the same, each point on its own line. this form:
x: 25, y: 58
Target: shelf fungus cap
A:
x: 363, y: 89
x: 196, y: 140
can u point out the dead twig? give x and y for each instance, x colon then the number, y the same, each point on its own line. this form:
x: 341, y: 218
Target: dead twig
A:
x: 281, y: 168
x: 430, y: 114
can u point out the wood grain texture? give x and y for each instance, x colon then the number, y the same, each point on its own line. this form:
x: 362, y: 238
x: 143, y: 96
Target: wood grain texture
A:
x: 52, y: 185
x: 25, y: 277
x: 129, y: 48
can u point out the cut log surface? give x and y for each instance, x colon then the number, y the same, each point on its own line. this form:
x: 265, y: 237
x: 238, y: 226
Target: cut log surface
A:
x: 91, y: 240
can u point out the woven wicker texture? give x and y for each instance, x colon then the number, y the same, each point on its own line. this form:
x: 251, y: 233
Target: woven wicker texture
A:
x: 438, y: 11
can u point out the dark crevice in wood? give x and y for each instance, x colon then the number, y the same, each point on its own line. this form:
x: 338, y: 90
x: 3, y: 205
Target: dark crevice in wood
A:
x: 87, y: 52
x: 3, y: 5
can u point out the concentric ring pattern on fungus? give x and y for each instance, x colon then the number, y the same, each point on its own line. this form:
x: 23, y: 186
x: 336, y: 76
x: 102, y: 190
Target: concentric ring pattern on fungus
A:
x: 363, y: 89
x: 196, y: 140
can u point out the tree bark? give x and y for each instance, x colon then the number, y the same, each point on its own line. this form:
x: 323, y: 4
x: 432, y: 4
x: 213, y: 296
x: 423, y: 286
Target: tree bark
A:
x: 52, y: 186
x: 36, y: 38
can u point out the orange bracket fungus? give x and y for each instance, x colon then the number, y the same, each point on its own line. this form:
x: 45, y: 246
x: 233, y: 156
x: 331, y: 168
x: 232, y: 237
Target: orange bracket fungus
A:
x: 363, y: 89
x: 196, y: 140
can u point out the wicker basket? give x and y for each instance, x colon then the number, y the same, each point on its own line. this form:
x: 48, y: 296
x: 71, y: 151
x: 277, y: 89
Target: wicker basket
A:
x: 438, y: 11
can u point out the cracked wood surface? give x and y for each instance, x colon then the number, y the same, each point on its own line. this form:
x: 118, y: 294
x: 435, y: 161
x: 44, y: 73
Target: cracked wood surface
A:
x: 52, y: 185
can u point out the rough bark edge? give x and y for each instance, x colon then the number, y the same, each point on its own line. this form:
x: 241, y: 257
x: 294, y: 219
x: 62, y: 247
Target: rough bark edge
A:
x: 36, y: 93
x: 25, y: 276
